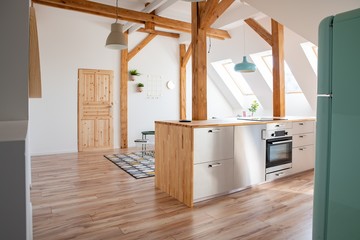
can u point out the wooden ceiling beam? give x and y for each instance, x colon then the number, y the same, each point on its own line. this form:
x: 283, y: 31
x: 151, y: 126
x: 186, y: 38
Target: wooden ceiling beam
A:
x: 260, y: 30
x: 128, y: 15
x: 160, y: 33
x: 140, y: 46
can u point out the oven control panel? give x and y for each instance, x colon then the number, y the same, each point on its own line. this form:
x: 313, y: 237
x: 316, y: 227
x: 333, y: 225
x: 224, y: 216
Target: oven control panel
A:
x: 278, y: 130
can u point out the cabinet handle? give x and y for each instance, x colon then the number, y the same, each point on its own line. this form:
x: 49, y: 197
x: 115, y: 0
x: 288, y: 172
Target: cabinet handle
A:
x: 214, y: 131
x: 214, y: 165
x: 301, y: 124
x: 302, y: 149
x: 302, y: 136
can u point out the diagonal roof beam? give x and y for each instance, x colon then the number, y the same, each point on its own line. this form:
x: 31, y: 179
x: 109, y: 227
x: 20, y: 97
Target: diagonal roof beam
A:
x: 140, y: 46
x: 148, y: 9
x: 128, y: 15
x: 207, y: 12
x: 166, y: 5
x: 220, y: 9
x: 260, y: 30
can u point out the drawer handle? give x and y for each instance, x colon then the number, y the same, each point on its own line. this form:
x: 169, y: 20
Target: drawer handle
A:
x: 302, y: 149
x: 301, y: 124
x: 214, y: 131
x: 302, y: 136
x: 214, y: 165
x: 279, y: 174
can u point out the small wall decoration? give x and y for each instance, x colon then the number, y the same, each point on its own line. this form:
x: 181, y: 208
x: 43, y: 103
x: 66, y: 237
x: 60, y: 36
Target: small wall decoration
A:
x: 140, y: 87
x: 170, y: 85
x: 154, y: 85
x: 133, y: 73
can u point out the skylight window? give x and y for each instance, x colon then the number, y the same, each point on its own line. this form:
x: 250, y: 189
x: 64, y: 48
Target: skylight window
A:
x: 264, y: 62
x: 238, y: 79
x: 311, y: 52
x: 225, y: 68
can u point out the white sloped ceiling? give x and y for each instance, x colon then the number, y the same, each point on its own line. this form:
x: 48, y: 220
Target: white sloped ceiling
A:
x: 303, y: 17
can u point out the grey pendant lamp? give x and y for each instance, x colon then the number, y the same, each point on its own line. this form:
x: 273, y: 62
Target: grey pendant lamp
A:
x: 116, y: 39
x: 245, y: 66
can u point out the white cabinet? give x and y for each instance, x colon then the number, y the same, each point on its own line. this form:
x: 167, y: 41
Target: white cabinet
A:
x: 213, y: 178
x: 303, y: 139
x: 303, y: 127
x: 213, y: 161
x: 212, y: 144
x: 249, y: 157
x: 303, y: 158
x: 303, y: 152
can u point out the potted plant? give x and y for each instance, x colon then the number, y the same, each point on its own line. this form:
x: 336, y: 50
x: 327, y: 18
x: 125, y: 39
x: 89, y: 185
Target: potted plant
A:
x: 254, y: 106
x: 140, y: 87
x: 133, y: 73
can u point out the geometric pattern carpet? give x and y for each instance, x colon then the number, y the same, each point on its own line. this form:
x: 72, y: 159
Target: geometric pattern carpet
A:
x: 137, y: 164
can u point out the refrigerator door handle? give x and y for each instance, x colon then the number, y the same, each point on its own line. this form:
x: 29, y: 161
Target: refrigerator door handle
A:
x: 325, y: 95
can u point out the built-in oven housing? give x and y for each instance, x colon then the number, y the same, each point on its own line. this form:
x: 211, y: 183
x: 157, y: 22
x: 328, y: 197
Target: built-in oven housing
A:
x: 278, y: 154
x: 278, y: 149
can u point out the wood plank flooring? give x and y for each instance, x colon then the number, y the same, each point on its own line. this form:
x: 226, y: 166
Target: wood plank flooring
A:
x: 85, y: 196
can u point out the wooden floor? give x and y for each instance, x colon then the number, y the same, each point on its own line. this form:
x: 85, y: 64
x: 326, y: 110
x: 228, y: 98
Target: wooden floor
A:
x: 85, y: 196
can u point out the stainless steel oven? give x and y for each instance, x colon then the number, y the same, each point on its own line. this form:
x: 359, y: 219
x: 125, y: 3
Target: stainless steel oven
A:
x: 278, y: 150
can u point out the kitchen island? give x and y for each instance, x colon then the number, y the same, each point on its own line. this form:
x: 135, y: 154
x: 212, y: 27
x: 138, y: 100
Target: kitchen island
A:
x: 199, y: 160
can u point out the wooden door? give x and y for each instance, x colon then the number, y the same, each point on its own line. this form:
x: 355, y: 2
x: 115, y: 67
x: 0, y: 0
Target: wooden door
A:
x: 95, y: 100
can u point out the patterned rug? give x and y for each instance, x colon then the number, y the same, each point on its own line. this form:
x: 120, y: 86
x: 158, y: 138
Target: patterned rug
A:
x: 136, y: 164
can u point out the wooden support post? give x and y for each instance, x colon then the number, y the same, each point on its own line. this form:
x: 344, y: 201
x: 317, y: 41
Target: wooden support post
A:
x: 124, y: 98
x: 182, y: 82
x: 199, y: 65
x: 278, y: 69
x: 34, y: 58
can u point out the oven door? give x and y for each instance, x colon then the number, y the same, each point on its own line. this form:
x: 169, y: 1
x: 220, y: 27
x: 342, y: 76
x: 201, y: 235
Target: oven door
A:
x: 279, y: 152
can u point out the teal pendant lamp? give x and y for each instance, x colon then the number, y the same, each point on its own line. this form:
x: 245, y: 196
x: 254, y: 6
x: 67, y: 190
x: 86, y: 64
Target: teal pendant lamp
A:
x: 245, y: 66
x: 116, y: 39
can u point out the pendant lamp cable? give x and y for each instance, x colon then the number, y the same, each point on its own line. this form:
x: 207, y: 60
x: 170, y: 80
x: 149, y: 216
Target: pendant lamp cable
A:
x: 116, y: 10
x: 209, y: 44
x: 244, y: 40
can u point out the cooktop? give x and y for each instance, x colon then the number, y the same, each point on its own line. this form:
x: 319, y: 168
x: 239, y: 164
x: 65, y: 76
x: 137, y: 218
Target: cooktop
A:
x: 261, y: 118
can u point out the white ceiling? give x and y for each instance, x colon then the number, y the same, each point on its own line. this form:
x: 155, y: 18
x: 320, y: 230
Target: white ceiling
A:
x: 181, y: 10
x: 302, y: 17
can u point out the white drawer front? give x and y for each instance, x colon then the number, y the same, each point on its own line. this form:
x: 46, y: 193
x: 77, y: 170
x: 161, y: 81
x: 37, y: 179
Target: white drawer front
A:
x: 213, y: 178
x: 212, y: 144
x: 303, y: 158
x: 303, y: 139
x: 303, y: 127
x: 278, y: 174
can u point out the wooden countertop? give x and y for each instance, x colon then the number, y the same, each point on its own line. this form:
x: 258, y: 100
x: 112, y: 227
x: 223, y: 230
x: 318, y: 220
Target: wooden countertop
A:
x: 230, y: 122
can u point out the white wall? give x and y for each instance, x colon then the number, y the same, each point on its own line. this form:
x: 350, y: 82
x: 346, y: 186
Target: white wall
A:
x: 296, y: 104
x: 70, y: 40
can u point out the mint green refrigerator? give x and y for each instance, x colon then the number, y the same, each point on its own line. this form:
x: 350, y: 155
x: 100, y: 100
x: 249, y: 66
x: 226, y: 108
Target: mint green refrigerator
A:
x: 336, y: 212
